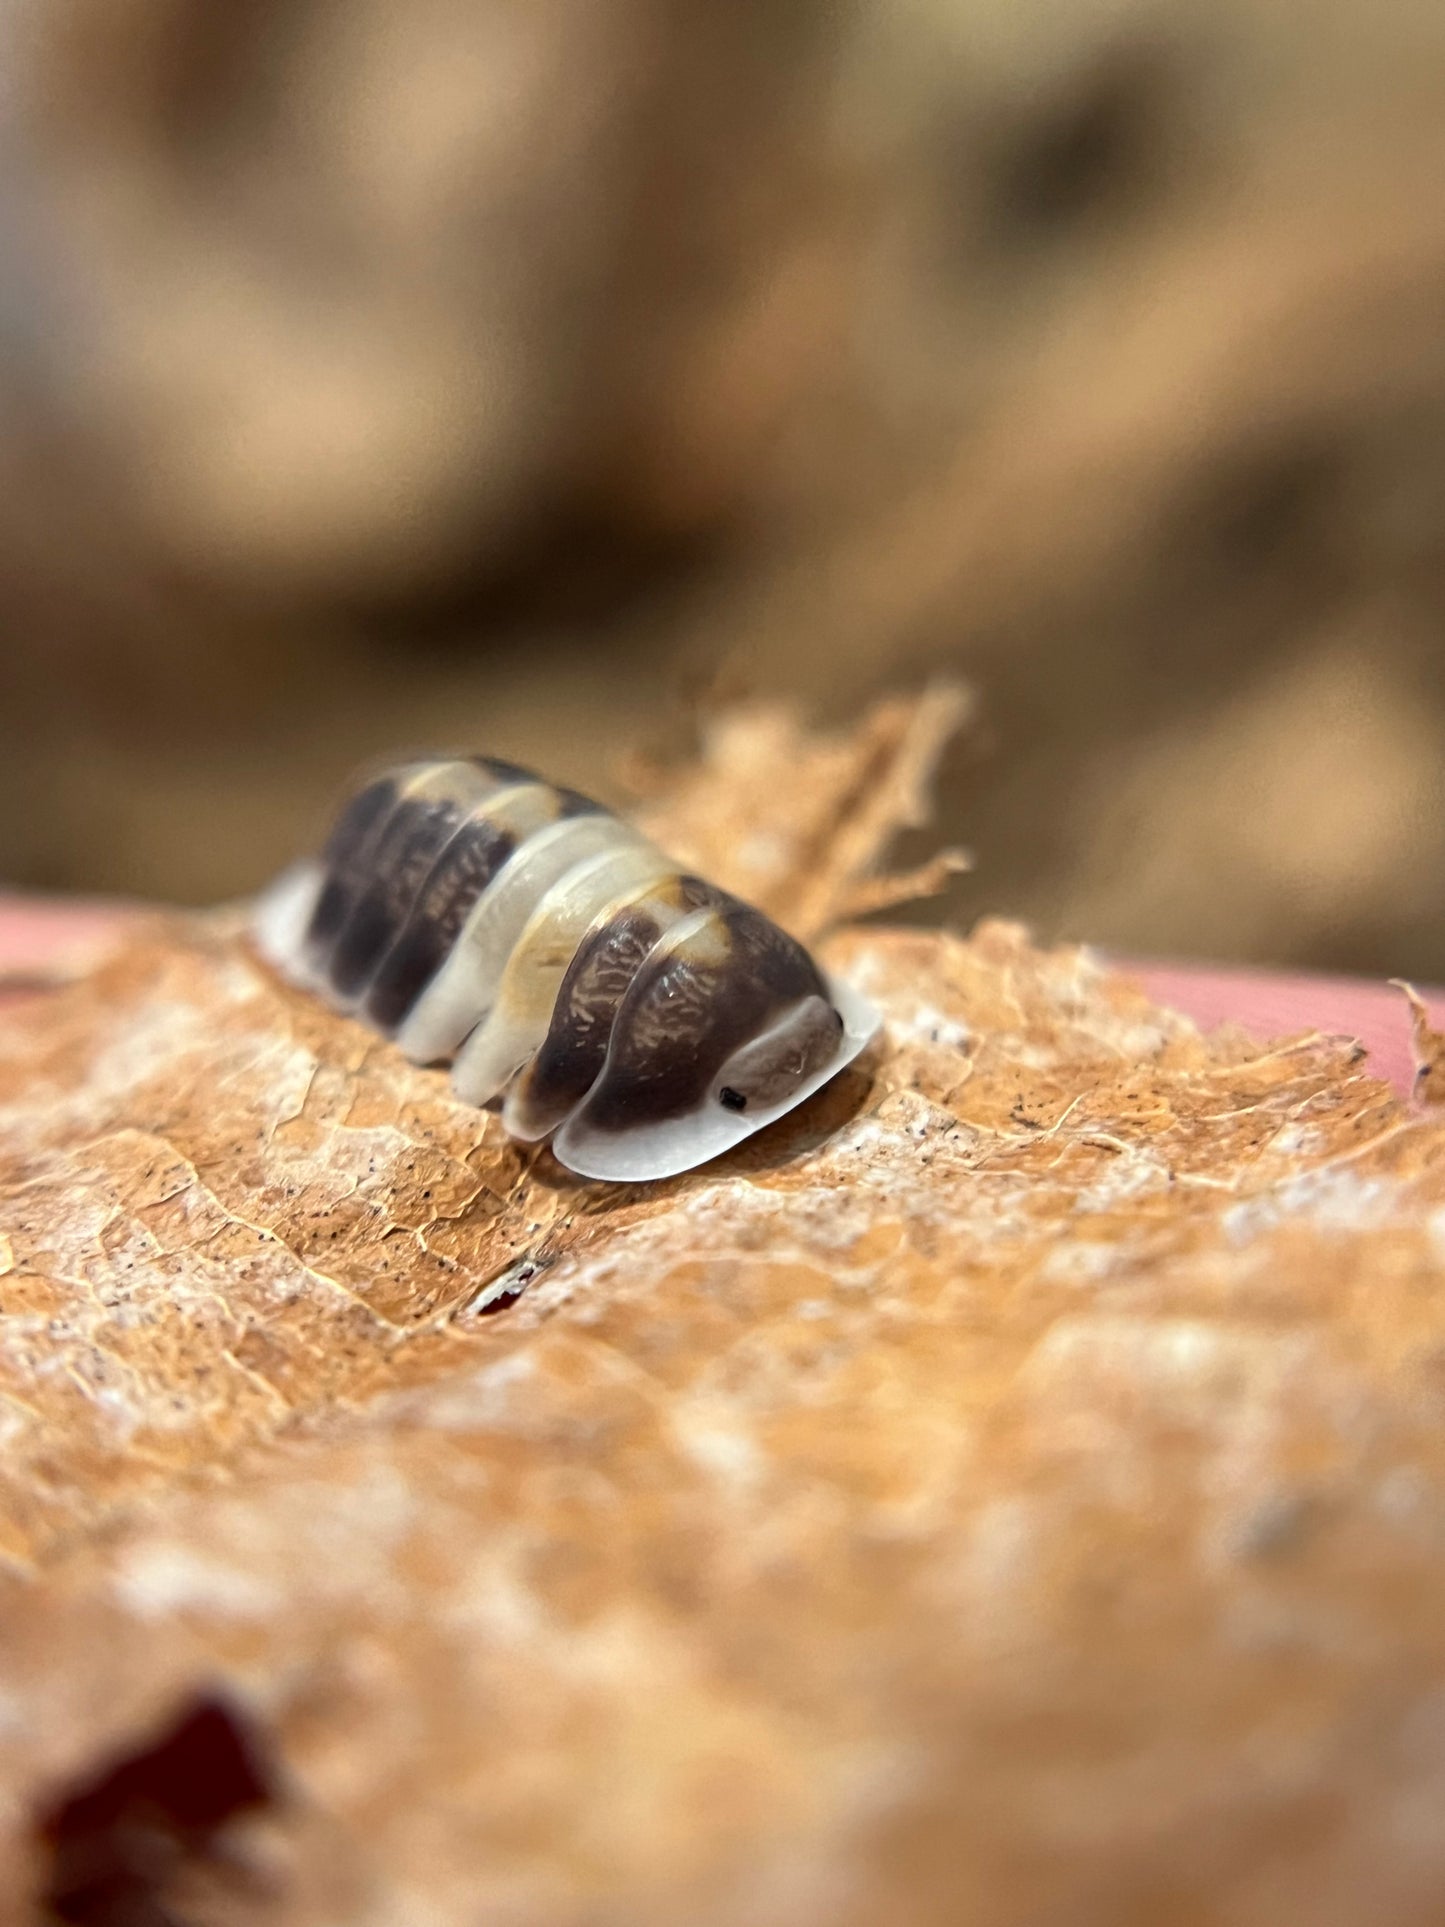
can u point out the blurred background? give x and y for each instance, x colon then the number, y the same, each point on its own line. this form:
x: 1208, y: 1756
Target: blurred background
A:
x: 531, y: 373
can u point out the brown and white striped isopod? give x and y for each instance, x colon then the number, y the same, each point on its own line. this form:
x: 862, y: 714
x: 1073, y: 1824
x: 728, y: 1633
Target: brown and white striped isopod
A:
x: 643, y: 1018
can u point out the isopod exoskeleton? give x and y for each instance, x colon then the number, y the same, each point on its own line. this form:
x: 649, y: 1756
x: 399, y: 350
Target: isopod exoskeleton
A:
x: 641, y: 1017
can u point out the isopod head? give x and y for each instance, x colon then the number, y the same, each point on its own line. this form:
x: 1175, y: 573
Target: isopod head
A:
x: 726, y: 1027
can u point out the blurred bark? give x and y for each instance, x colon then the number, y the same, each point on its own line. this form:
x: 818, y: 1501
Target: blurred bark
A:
x: 516, y: 369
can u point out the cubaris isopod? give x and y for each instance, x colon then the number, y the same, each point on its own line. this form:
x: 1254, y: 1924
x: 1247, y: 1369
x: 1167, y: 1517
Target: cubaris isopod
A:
x: 641, y: 1017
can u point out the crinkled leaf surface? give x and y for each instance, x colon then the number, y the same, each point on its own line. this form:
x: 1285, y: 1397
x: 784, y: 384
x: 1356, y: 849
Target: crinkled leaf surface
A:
x: 1011, y: 1490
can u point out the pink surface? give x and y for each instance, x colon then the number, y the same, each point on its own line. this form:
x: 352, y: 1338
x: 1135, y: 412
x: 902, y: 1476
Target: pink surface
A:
x: 1271, y: 1004
x: 36, y: 931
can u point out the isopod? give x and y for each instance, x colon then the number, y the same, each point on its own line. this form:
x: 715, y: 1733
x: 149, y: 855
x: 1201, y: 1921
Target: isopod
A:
x: 642, y: 1018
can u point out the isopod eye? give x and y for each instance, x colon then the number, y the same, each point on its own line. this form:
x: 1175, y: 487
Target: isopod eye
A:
x: 732, y: 1100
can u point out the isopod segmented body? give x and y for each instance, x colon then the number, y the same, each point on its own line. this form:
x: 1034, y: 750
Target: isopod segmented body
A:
x: 642, y: 1017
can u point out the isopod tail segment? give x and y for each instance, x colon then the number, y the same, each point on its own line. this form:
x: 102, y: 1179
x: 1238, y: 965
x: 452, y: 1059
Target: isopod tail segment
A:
x: 642, y: 1018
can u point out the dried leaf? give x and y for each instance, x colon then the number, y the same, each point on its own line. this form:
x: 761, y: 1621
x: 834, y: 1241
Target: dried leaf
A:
x: 800, y: 824
x: 872, y: 894
x: 1428, y: 1045
x: 1010, y: 1490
